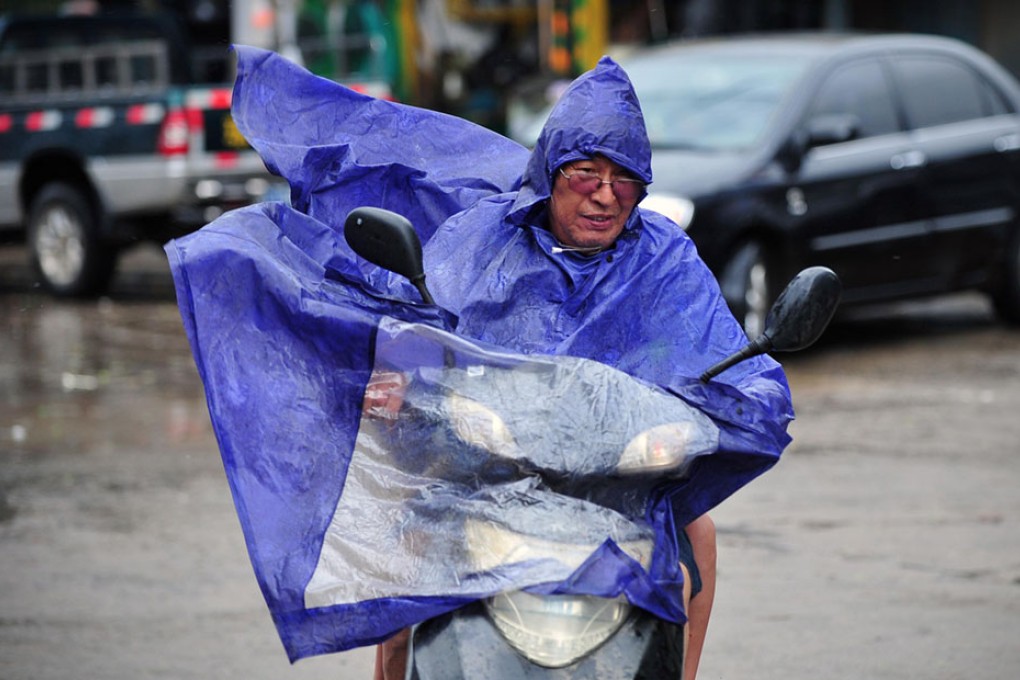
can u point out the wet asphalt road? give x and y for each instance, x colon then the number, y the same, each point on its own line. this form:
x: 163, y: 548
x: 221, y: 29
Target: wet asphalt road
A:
x: 886, y: 543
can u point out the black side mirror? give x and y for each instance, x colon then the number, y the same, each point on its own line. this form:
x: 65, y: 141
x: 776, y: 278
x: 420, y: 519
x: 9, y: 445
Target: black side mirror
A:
x: 797, y: 319
x: 388, y: 240
x: 832, y: 129
x: 791, y: 153
x: 819, y: 131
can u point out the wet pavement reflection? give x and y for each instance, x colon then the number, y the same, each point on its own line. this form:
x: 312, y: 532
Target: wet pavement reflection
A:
x: 120, y: 553
x: 72, y: 372
x: 76, y: 376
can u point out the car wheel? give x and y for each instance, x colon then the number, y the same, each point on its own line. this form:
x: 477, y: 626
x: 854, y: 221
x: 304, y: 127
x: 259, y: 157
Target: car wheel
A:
x: 1007, y: 297
x: 746, y: 286
x: 64, y: 245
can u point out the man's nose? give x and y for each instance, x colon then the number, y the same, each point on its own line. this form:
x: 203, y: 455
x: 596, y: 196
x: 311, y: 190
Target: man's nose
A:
x: 604, y: 193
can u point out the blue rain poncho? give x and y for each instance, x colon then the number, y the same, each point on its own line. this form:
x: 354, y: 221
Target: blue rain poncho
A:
x: 358, y: 526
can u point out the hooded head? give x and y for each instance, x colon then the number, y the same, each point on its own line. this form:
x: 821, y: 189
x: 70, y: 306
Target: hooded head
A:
x: 597, y: 116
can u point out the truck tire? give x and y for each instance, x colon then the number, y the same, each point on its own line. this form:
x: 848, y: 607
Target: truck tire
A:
x: 66, y: 251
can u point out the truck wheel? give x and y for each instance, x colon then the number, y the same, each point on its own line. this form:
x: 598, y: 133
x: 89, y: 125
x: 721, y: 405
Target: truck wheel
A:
x: 746, y: 286
x: 1007, y: 297
x: 64, y: 245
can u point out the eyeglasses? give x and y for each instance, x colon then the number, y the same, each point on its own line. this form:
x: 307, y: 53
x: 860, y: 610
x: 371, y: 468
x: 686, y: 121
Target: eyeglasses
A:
x: 588, y: 182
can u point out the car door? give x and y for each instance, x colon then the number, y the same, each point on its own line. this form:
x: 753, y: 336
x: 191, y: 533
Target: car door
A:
x: 858, y: 197
x: 967, y: 135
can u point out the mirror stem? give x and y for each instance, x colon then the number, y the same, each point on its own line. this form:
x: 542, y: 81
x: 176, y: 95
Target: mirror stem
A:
x: 426, y: 296
x: 759, y: 346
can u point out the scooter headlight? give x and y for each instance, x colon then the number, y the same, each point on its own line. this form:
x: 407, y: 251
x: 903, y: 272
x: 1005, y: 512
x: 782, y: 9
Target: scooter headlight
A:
x: 556, y: 630
x: 657, y: 449
x: 550, y: 630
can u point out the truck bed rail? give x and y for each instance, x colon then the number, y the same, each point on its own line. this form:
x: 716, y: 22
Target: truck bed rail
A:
x: 108, y: 70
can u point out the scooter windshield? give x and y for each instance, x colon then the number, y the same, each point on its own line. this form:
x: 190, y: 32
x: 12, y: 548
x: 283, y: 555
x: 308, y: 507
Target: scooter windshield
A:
x: 478, y: 471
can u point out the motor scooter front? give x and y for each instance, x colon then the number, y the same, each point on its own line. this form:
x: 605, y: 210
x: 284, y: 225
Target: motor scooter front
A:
x: 614, y: 466
x: 535, y: 489
x: 469, y: 643
x: 537, y: 632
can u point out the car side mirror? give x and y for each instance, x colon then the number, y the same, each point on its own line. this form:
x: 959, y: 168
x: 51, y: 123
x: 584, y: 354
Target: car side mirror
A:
x: 819, y: 131
x: 797, y: 319
x: 791, y: 153
x: 832, y: 129
x: 388, y: 240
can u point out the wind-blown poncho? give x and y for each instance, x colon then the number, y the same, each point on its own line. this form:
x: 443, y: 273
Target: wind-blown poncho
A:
x: 287, y: 325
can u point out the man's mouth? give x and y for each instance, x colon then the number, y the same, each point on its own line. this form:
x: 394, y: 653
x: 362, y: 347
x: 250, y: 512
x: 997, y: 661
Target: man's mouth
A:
x: 599, y: 220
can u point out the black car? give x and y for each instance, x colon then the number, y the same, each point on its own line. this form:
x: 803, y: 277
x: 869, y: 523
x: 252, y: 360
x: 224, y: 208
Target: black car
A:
x: 892, y: 159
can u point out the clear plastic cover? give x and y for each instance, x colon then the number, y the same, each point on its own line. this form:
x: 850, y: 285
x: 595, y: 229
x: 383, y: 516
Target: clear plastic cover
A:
x: 474, y: 471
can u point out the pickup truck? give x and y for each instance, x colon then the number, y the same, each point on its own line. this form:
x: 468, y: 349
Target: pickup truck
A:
x: 106, y: 140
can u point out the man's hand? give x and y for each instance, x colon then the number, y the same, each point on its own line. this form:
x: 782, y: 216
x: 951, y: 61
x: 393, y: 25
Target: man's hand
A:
x: 384, y: 395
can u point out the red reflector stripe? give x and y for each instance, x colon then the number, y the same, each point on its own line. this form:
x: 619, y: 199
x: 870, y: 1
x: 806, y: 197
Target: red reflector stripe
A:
x: 194, y: 117
x: 144, y: 114
x: 99, y: 116
x: 135, y: 115
x: 209, y: 99
x: 226, y: 159
x: 83, y: 118
x: 41, y: 121
x: 220, y: 99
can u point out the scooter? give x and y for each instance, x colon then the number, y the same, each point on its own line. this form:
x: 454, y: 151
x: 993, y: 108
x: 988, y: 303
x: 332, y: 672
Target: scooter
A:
x: 486, y: 414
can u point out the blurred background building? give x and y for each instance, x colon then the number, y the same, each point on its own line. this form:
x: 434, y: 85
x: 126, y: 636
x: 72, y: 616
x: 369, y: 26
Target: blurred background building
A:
x: 466, y: 56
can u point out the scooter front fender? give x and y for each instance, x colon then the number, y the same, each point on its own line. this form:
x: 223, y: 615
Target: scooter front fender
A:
x: 464, y: 645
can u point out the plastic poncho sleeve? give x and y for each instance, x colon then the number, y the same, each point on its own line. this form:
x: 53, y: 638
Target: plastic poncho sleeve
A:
x: 340, y: 150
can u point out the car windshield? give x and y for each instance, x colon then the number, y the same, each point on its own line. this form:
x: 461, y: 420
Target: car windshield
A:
x: 711, y: 102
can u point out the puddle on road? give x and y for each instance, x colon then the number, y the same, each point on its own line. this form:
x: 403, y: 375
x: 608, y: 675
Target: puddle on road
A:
x: 89, y: 375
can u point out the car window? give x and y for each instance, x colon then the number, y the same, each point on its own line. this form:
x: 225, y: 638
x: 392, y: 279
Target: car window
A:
x: 712, y: 102
x: 860, y: 89
x: 706, y: 102
x: 995, y: 100
x: 940, y: 90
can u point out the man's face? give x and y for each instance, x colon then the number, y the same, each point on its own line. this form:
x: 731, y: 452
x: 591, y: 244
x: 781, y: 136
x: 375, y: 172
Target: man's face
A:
x: 591, y: 219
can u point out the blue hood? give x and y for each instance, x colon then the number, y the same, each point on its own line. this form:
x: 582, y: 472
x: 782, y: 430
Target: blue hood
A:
x: 598, y: 114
